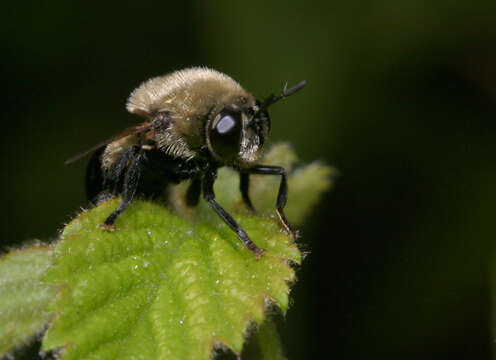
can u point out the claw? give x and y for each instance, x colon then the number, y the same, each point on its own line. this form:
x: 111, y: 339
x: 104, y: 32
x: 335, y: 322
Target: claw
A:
x: 106, y: 227
x: 257, y: 252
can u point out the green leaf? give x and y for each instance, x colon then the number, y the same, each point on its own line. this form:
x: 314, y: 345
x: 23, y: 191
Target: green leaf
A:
x: 164, y: 286
x: 23, y: 298
x: 160, y: 287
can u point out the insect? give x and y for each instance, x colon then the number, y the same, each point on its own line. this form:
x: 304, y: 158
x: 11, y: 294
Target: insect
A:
x: 196, y: 121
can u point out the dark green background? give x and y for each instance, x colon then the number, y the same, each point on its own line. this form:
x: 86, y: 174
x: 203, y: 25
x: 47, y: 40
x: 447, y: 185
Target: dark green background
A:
x: 400, y: 97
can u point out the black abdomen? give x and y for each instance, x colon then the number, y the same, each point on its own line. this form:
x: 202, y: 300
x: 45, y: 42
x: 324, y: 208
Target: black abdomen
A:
x: 94, y: 176
x: 156, y: 169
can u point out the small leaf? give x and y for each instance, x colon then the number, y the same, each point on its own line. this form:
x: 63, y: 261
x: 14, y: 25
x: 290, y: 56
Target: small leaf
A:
x: 22, y: 297
x: 264, y: 344
x: 306, y: 184
x: 164, y: 286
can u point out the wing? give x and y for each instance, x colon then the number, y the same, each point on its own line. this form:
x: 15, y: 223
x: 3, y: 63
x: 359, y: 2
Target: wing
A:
x: 133, y: 130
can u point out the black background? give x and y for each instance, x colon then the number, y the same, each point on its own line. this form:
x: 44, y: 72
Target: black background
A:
x: 400, y: 98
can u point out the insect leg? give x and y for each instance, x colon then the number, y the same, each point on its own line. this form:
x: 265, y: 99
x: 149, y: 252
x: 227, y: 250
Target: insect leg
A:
x: 244, y: 184
x: 131, y: 180
x: 193, y: 193
x: 209, y: 196
x: 282, y: 195
x: 113, y: 175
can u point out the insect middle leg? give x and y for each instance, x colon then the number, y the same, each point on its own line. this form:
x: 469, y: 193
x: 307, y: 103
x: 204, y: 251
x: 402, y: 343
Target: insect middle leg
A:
x: 209, y: 196
x: 130, y: 185
x: 282, y: 195
x: 193, y: 192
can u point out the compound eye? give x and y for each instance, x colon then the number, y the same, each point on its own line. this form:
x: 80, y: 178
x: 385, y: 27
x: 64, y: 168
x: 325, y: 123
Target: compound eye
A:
x: 226, y: 125
x: 225, y: 135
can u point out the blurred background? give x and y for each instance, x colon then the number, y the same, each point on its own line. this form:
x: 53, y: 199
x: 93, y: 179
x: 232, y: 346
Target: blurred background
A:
x: 400, y: 98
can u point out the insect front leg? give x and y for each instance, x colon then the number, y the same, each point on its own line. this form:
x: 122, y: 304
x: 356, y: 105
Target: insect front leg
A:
x: 130, y: 185
x: 282, y: 195
x: 209, y: 196
x: 244, y: 185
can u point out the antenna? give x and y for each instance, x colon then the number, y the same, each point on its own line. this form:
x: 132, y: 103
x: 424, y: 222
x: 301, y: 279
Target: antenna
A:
x: 272, y: 99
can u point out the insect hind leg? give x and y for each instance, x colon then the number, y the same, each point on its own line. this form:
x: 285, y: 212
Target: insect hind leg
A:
x: 130, y: 185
